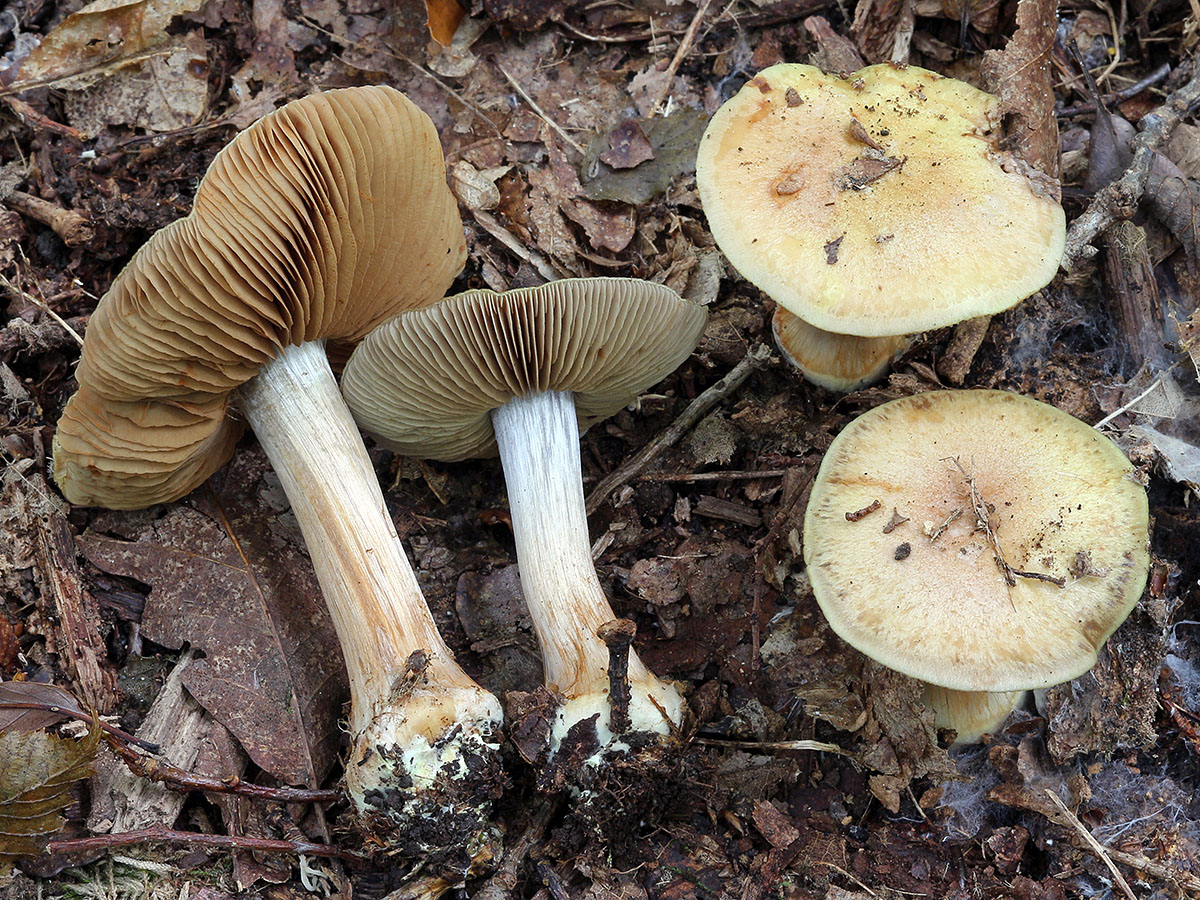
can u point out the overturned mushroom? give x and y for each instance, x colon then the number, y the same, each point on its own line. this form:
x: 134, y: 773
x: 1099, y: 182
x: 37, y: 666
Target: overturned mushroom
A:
x: 1000, y: 497
x: 874, y: 205
x: 520, y: 373
x: 314, y: 224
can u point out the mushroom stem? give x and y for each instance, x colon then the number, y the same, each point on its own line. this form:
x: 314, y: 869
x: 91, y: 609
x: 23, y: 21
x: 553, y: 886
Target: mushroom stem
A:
x: 971, y: 713
x: 414, y: 711
x: 538, y: 438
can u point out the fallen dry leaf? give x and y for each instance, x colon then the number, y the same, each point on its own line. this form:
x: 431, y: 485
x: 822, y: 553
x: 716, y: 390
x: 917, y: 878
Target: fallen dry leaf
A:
x: 225, y: 580
x: 165, y: 93
x: 1020, y: 75
x: 102, y: 36
x: 15, y: 696
x: 444, y: 16
x: 673, y: 140
x: 37, y: 772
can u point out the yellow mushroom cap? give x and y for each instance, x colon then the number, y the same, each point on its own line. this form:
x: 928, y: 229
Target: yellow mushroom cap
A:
x: 878, y: 203
x: 318, y: 221
x: 928, y: 596
x: 425, y: 382
x: 839, y: 362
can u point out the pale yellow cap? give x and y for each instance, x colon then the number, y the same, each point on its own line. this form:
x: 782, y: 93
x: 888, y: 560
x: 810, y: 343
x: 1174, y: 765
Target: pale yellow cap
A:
x: 927, y: 597
x: 876, y: 204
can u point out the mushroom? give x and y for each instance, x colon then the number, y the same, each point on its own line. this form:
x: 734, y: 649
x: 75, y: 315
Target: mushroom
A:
x: 839, y: 362
x: 1017, y: 542
x: 314, y: 224
x: 875, y: 204
x: 521, y: 373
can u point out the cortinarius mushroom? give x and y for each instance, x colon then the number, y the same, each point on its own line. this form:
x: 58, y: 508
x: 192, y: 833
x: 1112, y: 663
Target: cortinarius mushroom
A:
x: 1007, y: 541
x: 314, y: 224
x: 522, y: 372
x: 876, y: 204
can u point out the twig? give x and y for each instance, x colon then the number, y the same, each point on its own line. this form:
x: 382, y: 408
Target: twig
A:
x: 1094, y: 844
x: 473, y: 107
x: 537, y: 109
x: 503, y: 885
x: 43, y: 305
x: 492, y: 226
x: 719, y: 475
x: 37, y: 121
x: 74, y: 229
x: 681, y: 53
x: 818, y: 746
x: 1156, y: 383
x: 756, y: 358
x: 234, y: 842
x: 1082, y: 109
x: 67, y: 713
x: 1119, y: 200
x: 179, y: 780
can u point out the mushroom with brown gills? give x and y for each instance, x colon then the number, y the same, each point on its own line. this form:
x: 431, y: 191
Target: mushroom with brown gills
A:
x: 1008, y: 541
x: 521, y: 373
x: 314, y: 224
x: 875, y: 204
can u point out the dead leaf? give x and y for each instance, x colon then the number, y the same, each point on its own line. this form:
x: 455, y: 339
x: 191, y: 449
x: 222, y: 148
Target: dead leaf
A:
x: 673, y: 140
x: 37, y: 773
x: 1020, y: 75
x: 444, y: 16
x: 1175, y: 201
x: 15, y: 695
x: 628, y: 146
x: 228, y: 577
x: 101, y: 36
x: 165, y: 93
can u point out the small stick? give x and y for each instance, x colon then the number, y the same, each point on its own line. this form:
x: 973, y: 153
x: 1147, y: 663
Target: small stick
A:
x: 35, y: 119
x: 537, y: 109
x: 492, y: 226
x: 859, y: 514
x: 68, y: 713
x: 503, y: 885
x: 45, y: 307
x: 234, y: 842
x: 74, y: 229
x: 1120, y: 96
x: 719, y: 475
x: 1120, y: 199
x: 818, y: 746
x: 681, y: 53
x: 179, y: 780
x: 1094, y: 844
x: 617, y: 636
x: 756, y: 358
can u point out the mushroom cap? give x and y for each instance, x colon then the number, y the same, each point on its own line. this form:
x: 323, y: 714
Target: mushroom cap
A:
x: 425, y: 382
x: 924, y: 223
x: 839, y: 362
x: 318, y: 221
x: 928, y: 598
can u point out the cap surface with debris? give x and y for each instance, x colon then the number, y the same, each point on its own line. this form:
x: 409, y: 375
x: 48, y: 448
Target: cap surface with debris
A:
x: 1006, y: 540
x: 878, y: 203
